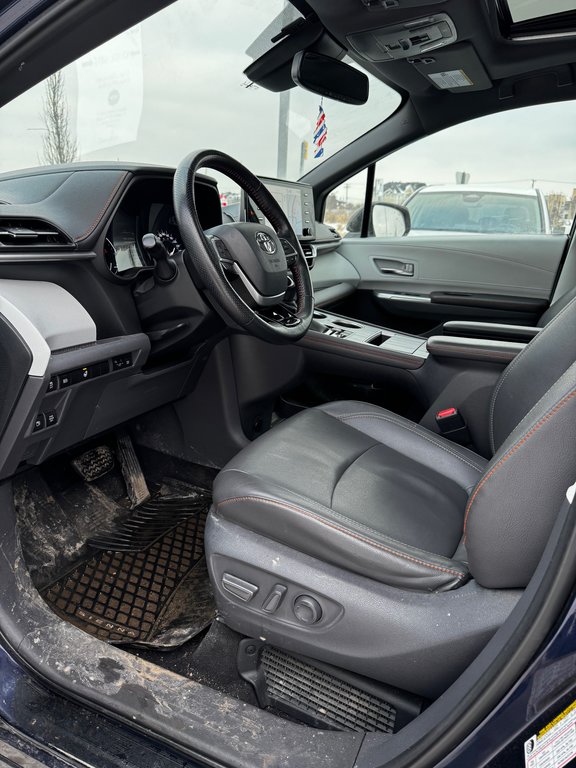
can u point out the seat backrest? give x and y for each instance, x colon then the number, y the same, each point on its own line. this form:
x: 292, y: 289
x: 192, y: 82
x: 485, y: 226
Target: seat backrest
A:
x: 533, y: 433
x: 557, y: 306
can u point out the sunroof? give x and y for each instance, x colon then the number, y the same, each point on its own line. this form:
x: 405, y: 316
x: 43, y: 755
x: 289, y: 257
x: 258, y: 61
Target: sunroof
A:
x: 14, y: 14
x: 527, y: 10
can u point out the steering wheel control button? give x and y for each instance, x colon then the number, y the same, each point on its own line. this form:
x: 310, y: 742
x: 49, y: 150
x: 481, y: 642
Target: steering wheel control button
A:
x: 39, y: 423
x: 287, y: 247
x: 241, y: 589
x: 307, y: 610
x: 274, y: 599
x: 51, y: 418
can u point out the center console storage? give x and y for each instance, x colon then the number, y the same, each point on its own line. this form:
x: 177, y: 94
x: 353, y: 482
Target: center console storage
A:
x: 488, y: 350
x: 498, y: 331
x: 387, y: 340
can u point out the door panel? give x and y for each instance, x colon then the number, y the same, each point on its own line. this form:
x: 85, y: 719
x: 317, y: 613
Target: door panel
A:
x: 424, y: 281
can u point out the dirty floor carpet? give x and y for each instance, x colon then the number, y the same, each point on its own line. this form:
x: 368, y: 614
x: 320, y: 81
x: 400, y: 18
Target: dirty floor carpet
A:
x: 124, y: 576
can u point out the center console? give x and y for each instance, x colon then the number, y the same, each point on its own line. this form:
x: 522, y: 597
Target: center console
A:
x: 345, y: 335
x: 455, y: 370
x: 471, y: 341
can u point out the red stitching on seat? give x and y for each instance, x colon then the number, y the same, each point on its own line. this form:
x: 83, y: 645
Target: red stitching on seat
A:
x: 511, y: 452
x: 346, y: 532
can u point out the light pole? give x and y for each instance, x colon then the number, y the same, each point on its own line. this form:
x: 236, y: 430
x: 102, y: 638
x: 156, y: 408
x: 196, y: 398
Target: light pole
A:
x: 286, y: 16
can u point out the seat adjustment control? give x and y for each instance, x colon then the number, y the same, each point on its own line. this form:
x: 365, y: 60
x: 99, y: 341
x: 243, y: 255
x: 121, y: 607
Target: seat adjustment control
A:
x: 307, y: 610
x: 272, y: 602
x: 241, y: 589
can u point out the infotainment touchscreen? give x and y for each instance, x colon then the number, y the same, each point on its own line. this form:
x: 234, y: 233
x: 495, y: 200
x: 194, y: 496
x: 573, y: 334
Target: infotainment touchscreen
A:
x: 297, y: 202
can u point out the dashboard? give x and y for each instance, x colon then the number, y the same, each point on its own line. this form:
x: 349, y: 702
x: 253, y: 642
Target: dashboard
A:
x: 147, y: 207
x: 88, y: 338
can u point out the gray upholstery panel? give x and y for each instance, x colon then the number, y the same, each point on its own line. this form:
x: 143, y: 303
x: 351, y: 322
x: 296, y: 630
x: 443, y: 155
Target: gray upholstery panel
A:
x: 528, y: 377
x: 418, y: 641
x: 383, y: 498
x: 556, y: 307
x: 512, y: 510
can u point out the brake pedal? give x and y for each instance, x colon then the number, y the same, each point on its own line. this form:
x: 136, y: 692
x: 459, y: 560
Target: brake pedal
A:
x: 136, y: 485
x: 94, y: 463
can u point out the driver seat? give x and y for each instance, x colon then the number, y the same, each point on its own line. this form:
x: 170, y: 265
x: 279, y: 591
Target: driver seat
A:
x: 351, y: 535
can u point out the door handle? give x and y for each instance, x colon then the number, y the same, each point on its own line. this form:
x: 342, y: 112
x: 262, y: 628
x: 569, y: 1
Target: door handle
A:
x: 406, y: 271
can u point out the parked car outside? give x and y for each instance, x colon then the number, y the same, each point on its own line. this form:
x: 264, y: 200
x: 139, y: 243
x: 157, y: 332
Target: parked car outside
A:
x: 462, y: 209
x: 478, y: 210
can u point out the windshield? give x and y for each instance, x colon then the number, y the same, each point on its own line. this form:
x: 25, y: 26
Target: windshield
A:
x: 173, y: 84
x: 476, y: 211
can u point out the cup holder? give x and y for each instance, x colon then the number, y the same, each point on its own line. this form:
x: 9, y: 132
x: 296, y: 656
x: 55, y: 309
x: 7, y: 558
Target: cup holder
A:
x: 346, y: 324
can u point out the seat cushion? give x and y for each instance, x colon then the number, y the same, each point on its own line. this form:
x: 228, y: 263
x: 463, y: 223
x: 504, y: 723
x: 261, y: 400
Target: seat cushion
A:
x: 360, y: 487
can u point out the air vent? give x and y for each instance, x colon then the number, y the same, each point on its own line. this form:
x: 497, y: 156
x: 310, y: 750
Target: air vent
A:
x: 17, y: 234
x: 309, y: 252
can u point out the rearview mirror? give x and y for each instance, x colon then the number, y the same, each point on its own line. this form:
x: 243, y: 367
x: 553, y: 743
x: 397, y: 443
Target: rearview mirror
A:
x: 330, y: 77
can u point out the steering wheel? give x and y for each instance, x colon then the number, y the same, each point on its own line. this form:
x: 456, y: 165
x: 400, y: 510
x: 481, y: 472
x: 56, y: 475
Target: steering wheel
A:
x: 255, y: 276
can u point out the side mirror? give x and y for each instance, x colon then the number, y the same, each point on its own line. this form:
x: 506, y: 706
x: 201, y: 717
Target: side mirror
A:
x: 389, y: 220
x: 330, y: 77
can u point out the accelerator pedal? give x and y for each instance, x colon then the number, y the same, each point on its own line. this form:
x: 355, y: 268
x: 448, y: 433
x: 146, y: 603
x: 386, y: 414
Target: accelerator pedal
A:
x: 95, y: 463
x: 136, y: 485
x: 323, y: 696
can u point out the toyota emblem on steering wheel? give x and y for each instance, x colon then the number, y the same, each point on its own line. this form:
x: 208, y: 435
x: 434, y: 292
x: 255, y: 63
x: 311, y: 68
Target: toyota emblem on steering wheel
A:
x: 266, y: 243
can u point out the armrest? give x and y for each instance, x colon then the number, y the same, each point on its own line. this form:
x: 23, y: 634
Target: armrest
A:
x: 473, y: 349
x: 491, y: 330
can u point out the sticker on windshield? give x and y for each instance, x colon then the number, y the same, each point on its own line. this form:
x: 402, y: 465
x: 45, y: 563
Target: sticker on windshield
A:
x: 455, y: 78
x: 555, y: 745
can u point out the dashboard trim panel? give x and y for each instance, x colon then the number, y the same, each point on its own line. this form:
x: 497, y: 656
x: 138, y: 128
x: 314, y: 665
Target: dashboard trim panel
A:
x: 31, y: 336
x: 47, y: 317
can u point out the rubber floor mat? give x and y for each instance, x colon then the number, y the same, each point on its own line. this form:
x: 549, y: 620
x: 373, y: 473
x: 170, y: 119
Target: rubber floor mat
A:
x: 155, y: 596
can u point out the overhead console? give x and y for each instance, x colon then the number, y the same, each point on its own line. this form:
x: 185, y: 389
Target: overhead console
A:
x: 412, y: 38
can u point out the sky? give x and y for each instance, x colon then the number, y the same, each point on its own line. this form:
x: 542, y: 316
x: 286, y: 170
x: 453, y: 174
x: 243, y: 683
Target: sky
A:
x: 531, y: 9
x: 176, y: 83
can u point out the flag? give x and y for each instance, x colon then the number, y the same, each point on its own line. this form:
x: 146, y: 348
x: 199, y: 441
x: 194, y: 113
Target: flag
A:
x: 320, y: 133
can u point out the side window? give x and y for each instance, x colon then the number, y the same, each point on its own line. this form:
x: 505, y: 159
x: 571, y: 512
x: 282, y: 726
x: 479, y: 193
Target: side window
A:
x: 506, y: 174
x: 345, y: 204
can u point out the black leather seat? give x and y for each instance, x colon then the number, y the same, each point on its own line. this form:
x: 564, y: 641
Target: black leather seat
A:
x: 355, y: 493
